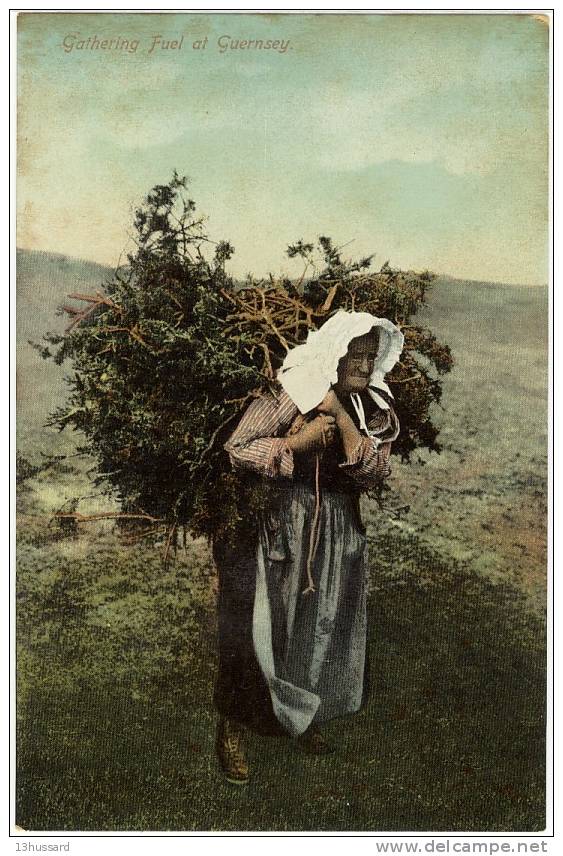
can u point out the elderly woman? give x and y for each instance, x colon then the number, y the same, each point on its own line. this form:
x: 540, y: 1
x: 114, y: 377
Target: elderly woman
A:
x: 292, y: 600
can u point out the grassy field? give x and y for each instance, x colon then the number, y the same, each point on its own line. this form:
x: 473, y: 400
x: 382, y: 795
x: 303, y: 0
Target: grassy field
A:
x: 117, y: 657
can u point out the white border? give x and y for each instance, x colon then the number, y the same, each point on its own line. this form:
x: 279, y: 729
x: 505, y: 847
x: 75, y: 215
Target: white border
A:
x: 175, y: 842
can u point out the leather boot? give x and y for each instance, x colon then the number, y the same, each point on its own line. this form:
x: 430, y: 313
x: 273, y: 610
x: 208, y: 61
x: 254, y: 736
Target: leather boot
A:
x: 230, y: 751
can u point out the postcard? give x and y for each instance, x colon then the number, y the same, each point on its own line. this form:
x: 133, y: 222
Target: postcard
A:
x: 282, y: 423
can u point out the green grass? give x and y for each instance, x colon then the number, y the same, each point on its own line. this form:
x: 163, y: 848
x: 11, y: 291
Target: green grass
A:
x: 116, y: 728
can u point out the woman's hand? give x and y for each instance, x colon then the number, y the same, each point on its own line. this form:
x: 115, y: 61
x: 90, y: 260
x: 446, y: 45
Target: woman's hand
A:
x: 344, y: 423
x: 331, y: 404
x: 315, y: 435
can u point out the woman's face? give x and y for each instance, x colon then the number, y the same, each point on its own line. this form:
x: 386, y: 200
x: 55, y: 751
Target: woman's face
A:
x: 355, y: 368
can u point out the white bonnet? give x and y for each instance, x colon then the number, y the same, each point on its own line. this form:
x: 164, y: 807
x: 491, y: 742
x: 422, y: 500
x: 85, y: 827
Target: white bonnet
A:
x: 309, y: 370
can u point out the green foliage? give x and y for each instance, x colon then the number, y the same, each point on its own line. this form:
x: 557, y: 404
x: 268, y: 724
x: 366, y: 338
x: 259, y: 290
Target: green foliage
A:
x: 165, y: 359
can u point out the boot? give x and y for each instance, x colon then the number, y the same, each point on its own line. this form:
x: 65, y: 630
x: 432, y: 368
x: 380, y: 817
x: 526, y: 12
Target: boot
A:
x: 230, y: 751
x: 313, y: 742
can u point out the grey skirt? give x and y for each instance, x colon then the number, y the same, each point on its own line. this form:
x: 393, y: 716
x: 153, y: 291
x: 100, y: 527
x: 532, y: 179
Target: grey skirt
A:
x: 311, y: 647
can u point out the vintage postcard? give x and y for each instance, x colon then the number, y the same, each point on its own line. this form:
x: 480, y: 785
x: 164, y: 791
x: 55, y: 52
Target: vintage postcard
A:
x: 282, y: 422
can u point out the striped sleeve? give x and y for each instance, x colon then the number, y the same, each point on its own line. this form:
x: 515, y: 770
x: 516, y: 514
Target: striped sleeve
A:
x: 256, y: 443
x: 369, y: 463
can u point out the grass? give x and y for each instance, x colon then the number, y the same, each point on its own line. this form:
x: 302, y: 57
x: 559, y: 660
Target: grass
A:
x: 116, y: 728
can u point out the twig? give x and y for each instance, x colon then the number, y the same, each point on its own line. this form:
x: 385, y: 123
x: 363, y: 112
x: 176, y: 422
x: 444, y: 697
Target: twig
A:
x: 407, y: 379
x: 169, y: 543
x: 216, y: 432
x: 86, y: 518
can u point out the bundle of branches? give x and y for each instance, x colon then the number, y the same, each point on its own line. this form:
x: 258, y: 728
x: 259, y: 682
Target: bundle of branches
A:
x: 168, y: 354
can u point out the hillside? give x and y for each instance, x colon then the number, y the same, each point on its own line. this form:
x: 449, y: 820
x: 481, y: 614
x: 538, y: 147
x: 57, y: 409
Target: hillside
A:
x: 43, y: 282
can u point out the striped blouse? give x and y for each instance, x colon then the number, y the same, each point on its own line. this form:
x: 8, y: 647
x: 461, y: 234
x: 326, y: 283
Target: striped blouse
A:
x: 258, y: 443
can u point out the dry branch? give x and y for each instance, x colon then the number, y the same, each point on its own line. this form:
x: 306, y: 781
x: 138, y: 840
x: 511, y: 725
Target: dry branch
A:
x: 105, y: 515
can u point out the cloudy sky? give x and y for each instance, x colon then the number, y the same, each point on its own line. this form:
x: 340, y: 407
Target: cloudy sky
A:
x: 422, y: 138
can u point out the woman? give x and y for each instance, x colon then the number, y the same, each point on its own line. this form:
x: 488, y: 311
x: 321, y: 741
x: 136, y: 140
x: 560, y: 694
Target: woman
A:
x: 292, y: 600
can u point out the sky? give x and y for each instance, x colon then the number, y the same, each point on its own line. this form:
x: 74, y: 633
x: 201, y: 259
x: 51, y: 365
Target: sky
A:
x: 420, y: 138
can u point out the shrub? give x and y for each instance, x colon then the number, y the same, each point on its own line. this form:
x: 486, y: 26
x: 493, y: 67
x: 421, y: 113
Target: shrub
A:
x: 167, y: 356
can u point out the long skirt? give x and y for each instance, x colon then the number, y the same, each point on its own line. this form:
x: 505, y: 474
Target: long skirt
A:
x: 288, y: 659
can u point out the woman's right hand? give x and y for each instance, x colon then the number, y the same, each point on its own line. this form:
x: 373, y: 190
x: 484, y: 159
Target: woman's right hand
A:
x: 331, y: 404
x: 314, y: 435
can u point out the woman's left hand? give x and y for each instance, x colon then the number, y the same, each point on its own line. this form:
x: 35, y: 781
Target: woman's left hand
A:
x: 330, y: 404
